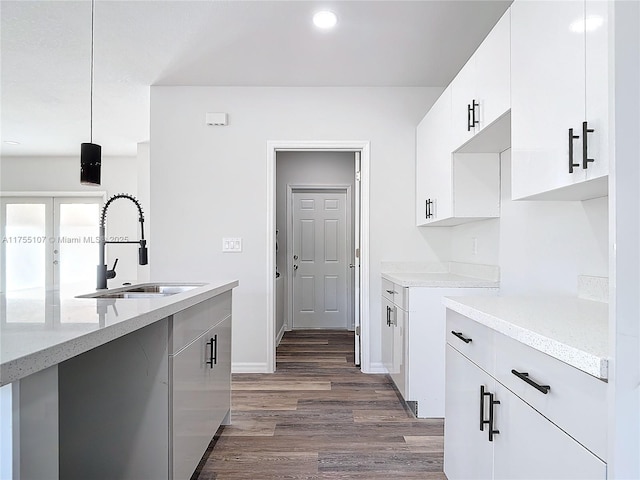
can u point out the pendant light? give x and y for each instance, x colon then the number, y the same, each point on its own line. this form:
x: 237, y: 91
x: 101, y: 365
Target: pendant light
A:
x: 90, y: 153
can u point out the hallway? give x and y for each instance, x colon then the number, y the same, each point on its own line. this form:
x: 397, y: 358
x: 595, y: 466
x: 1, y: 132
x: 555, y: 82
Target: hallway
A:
x: 319, y: 417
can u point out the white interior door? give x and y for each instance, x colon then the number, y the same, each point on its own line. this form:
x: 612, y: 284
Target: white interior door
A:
x: 321, y: 286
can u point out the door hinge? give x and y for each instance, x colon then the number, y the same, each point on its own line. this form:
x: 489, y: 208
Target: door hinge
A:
x: 357, y: 253
x: 357, y: 176
x: 358, y: 330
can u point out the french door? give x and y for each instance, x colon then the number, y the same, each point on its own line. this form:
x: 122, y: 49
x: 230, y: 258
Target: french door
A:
x: 48, y: 244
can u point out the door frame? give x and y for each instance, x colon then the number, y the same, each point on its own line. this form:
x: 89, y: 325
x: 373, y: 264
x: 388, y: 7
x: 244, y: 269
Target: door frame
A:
x: 291, y: 189
x: 274, y: 146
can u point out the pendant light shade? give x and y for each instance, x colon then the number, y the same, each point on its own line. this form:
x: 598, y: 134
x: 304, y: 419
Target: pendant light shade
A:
x: 90, y: 153
x: 90, y: 162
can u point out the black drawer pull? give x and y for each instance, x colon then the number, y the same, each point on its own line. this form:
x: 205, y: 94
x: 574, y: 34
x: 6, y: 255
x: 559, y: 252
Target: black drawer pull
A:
x: 525, y: 377
x: 462, y: 337
x: 391, y: 292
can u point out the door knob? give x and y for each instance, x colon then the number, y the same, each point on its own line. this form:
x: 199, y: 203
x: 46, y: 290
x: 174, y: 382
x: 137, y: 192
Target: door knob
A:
x: 295, y: 257
x: 295, y: 267
x: 351, y: 265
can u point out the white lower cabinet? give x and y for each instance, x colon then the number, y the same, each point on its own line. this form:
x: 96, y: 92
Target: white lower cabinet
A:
x: 200, y: 396
x: 468, y: 454
x: 492, y: 433
x: 531, y: 447
x: 413, y: 333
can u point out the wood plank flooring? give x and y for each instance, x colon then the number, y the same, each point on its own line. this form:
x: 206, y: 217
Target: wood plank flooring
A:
x: 319, y: 417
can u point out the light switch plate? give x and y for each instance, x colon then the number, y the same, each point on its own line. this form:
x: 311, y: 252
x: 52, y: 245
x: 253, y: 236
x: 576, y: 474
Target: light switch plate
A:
x: 233, y: 245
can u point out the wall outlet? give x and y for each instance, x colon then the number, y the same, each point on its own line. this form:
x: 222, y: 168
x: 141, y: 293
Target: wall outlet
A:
x: 233, y: 245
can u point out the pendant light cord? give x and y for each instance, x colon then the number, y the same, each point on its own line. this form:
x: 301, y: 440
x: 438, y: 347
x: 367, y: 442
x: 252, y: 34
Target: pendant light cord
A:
x: 91, y: 101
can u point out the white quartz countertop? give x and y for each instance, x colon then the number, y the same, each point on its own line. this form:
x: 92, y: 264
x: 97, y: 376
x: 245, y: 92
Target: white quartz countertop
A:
x: 572, y: 330
x: 43, y: 328
x: 437, y: 279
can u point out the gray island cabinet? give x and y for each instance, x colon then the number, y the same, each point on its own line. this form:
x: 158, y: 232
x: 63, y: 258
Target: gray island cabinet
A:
x: 142, y: 405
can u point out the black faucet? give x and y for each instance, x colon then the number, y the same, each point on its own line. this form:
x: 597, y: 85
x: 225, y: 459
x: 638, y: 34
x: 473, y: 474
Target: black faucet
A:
x: 103, y: 272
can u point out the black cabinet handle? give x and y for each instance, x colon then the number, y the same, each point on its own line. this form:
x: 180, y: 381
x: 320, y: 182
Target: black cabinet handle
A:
x: 210, y: 345
x: 572, y: 137
x: 492, y: 403
x: 427, y: 212
x: 469, y: 124
x: 388, y: 316
x: 483, y: 394
x: 214, y: 352
x: 585, y: 155
x: 525, y: 378
x: 461, y: 337
x: 474, y: 105
x: 391, y: 292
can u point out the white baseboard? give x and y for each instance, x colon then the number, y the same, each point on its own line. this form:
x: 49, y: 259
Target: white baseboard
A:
x: 375, y: 367
x: 249, y: 367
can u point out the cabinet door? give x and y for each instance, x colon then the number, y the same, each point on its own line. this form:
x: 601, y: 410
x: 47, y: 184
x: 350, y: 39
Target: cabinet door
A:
x: 221, y: 382
x: 493, y: 64
x: 463, y: 95
x: 386, y: 335
x: 547, y: 95
x: 597, y: 87
x: 468, y: 454
x: 192, y: 389
x: 531, y: 447
x: 433, y: 162
x: 398, y: 365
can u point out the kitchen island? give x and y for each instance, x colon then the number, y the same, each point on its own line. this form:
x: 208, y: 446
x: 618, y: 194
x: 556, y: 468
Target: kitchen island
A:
x: 116, y: 387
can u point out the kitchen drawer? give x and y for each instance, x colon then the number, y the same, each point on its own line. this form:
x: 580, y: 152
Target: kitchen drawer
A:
x: 396, y: 293
x: 576, y: 401
x: 192, y: 322
x: 479, y: 348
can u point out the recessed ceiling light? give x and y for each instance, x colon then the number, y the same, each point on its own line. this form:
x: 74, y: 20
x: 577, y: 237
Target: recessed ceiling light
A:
x: 325, y: 19
x: 11, y: 142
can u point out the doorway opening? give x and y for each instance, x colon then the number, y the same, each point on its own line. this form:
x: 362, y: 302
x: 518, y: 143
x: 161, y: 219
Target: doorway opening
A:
x: 318, y: 220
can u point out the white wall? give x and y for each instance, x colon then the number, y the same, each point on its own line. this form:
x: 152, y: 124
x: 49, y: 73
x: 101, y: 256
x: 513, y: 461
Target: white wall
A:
x: 541, y: 247
x: 211, y: 182
x: 307, y: 168
x: 62, y: 174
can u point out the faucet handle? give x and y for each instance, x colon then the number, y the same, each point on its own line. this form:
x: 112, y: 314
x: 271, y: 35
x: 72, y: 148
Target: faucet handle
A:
x: 112, y: 273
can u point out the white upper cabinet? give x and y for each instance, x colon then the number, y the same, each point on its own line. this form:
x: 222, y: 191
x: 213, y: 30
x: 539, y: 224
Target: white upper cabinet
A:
x: 559, y: 96
x: 454, y: 188
x: 480, y: 91
x: 433, y: 161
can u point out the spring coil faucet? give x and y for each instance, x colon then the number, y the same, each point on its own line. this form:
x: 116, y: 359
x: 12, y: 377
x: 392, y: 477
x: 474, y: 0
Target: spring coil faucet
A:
x: 103, y: 272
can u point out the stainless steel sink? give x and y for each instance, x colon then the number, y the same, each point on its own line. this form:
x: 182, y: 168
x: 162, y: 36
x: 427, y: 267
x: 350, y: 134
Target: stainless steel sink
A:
x: 146, y: 290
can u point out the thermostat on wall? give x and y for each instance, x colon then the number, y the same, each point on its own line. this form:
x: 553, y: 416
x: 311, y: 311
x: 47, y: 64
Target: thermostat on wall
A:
x: 216, y: 119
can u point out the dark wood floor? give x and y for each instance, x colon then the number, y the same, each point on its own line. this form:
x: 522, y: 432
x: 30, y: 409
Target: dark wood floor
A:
x: 319, y: 417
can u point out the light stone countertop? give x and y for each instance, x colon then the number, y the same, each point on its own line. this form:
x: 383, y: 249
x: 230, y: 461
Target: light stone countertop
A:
x: 438, y: 279
x: 42, y: 329
x: 570, y: 329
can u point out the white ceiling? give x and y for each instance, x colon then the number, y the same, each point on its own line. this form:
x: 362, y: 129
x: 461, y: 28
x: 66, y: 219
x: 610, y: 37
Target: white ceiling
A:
x: 45, y: 51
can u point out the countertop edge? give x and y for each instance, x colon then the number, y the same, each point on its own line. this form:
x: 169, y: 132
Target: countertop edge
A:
x: 468, y: 282
x: 18, y: 368
x: 589, y: 363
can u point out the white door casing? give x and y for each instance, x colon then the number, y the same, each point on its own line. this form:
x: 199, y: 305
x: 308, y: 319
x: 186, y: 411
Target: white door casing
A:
x: 355, y: 266
x: 274, y: 146
x: 320, y: 272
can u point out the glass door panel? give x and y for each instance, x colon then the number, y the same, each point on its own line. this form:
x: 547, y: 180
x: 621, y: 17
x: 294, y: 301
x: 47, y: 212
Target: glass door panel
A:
x: 76, y: 253
x: 26, y: 251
